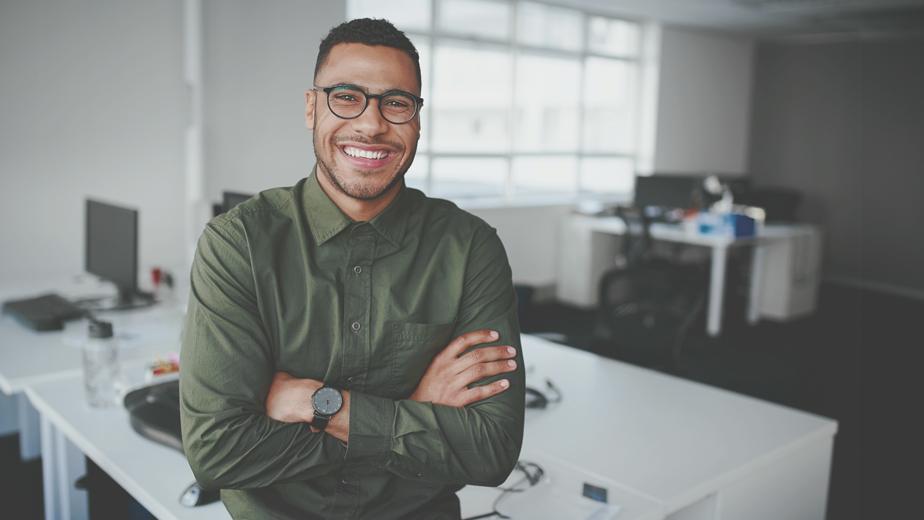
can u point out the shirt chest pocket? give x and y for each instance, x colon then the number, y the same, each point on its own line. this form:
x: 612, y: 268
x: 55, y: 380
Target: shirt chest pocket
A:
x: 413, y: 347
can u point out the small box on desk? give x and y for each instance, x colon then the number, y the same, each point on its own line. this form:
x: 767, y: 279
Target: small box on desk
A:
x: 732, y: 225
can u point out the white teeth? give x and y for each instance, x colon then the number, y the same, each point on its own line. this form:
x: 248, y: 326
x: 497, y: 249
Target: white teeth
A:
x: 366, y: 154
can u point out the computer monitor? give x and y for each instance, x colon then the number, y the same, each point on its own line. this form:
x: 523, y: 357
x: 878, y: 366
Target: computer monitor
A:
x: 232, y: 199
x: 665, y: 191
x: 111, y: 250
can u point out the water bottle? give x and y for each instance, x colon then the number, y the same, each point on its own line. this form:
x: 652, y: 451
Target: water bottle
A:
x: 101, y: 365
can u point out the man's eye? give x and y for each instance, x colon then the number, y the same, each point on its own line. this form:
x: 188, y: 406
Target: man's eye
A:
x: 397, y: 103
x: 346, y: 97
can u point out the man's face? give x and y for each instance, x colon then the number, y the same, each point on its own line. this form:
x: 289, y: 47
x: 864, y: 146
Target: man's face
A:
x: 366, y: 157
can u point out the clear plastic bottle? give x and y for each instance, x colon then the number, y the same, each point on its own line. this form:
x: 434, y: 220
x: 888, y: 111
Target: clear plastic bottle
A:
x: 101, y: 365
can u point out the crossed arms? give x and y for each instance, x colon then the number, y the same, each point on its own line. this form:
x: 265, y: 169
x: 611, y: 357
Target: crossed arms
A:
x: 446, y: 382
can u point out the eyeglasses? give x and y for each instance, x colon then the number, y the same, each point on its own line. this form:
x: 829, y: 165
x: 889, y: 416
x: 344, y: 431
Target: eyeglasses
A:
x: 349, y: 102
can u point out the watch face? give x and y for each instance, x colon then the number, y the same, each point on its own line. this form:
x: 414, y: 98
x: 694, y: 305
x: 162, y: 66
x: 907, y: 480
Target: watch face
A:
x: 327, y: 400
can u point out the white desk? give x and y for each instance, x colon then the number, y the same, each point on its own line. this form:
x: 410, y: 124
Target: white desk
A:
x: 28, y: 357
x: 153, y: 474
x: 583, y: 262
x: 664, y: 447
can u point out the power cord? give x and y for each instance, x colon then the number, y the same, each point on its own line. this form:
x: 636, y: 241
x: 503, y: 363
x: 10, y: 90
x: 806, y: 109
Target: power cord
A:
x: 537, y: 399
x: 532, y: 473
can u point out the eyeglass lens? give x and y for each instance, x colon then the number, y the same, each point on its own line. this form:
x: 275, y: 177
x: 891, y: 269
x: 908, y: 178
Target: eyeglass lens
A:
x: 348, y: 102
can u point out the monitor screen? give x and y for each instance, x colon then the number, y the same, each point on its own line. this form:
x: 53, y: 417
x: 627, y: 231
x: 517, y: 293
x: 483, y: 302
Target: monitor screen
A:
x: 112, y: 246
x: 666, y: 191
x: 232, y: 199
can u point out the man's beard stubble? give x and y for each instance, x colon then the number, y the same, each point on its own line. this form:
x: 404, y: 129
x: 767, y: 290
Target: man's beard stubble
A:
x: 360, y: 190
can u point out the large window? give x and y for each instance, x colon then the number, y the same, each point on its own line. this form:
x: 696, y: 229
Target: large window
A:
x: 524, y: 101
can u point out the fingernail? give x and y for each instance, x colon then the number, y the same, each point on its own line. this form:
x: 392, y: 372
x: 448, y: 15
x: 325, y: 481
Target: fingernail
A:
x: 494, y: 334
x: 511, y: 350
x: 511, y: 363
x: 504, y: 383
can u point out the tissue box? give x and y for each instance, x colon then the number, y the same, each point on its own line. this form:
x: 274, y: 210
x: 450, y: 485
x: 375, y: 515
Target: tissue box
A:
x: 732, y: 225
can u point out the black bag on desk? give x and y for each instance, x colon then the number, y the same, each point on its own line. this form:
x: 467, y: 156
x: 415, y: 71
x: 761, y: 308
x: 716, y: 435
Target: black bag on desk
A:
x: 155, y: 413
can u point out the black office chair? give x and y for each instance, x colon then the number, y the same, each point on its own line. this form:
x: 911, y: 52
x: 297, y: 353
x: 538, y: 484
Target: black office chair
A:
x: 646, y: 305
x: 779, y: 203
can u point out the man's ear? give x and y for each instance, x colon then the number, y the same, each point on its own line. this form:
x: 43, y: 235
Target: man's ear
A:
x: 309, y: 109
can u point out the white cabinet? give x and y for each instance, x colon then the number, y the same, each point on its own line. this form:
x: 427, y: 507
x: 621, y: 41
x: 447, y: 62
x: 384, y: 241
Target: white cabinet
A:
x: 791, y: 273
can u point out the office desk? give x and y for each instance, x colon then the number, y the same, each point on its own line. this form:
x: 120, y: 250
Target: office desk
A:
x: 153, y: 474
x: 583, y: 262
x: 698, y: 451
x: 664, y: 447
x: 28, y: 357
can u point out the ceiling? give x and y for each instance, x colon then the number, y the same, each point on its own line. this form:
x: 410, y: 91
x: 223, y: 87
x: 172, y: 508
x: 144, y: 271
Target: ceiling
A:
x: 773, y: 18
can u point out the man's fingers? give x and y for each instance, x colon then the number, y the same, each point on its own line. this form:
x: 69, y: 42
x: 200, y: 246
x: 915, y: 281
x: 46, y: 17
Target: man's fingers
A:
x: 479, y: 371
x: 482, y: 392
x: 458, y: 345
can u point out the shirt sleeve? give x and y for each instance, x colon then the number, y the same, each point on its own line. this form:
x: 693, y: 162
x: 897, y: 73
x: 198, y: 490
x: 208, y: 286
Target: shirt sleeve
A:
x: 475, y: 445
x: 227, y: 369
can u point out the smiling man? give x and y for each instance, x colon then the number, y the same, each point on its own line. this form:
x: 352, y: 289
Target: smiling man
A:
x: 351, y: 347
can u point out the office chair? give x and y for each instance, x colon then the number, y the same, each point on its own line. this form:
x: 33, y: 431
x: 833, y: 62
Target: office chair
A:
x: 779, y: 203
x: 646, y: 305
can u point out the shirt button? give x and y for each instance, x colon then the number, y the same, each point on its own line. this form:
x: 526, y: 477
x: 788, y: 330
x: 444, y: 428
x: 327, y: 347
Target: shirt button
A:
x: 356, y: 325
x: 345, y: 480
x: 350, y: 380
x: 357, y: 269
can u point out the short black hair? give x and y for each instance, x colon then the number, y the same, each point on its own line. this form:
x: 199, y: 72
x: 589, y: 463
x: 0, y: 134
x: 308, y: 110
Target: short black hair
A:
x: 368, y: 31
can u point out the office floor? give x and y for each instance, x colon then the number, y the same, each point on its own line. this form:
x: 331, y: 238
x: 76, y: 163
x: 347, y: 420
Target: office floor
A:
x: 855, y: 360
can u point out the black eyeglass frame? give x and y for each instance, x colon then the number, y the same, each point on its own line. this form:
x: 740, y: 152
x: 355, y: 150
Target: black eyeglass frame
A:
x: 418, y: 101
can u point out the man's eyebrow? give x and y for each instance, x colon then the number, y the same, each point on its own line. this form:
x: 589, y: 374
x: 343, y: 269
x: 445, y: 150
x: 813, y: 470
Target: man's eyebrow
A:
x: 367, y: 89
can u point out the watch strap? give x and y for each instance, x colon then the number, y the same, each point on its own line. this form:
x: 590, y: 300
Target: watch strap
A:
x: 319, y: 422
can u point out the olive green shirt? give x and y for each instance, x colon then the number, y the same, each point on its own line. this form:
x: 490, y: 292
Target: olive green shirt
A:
x: 287, y: 282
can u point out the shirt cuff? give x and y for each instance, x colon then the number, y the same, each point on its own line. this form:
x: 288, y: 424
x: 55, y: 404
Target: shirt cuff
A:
x: 371, y: 421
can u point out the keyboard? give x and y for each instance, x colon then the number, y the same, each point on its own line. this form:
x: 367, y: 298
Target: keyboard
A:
x: 46, y: 312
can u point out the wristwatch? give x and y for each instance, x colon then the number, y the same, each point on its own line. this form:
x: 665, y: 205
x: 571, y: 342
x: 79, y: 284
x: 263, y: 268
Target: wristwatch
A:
x: 326, y: 401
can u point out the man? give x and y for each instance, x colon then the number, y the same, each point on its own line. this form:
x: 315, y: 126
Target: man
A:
x: 321, y: 377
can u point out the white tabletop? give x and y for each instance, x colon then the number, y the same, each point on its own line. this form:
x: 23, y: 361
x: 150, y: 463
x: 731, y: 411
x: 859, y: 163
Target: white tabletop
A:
x: 27, y: 356
x: 676, y: 233
x: 666, y: 438
x: 152, y: 473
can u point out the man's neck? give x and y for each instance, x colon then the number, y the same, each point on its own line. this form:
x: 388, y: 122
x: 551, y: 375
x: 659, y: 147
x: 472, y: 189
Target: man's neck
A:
x: 356, y: 209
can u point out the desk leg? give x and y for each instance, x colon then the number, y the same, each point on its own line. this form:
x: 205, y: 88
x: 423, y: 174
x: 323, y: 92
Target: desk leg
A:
x: 716, y: 291
x: 62, y: 464
x: 30, y: 444
x: 757, y: 282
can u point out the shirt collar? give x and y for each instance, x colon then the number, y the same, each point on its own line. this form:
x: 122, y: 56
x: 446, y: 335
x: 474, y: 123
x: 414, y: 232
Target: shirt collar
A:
x: 326, y: 220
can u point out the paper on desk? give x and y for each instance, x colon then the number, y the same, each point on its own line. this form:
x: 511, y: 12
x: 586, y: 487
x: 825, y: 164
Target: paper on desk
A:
x: 546, y: 500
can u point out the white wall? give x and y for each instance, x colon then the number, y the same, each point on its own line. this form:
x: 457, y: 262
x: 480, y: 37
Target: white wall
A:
x: 93, y: 105
x: 704, y: 102
x: 258, y: 63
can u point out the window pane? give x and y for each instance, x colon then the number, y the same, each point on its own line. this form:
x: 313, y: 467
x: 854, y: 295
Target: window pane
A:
x: 547, y: 104
x: 545, y: 175
x: 609, y: 108
x: 547, y: 26
x: 613, y: 37
x: 416, y: 175
x: 407, y: 15
x: 482, y: 18
x: 463, y: 177
x: 607, y: 175
x: 471, y: 100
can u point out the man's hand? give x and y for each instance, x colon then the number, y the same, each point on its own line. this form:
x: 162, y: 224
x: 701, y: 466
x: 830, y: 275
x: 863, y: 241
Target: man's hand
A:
x: 289, y: 400
x: 446, y: 380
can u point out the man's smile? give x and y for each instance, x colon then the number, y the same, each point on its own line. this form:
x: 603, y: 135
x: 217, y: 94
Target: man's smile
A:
x: 352, y: 151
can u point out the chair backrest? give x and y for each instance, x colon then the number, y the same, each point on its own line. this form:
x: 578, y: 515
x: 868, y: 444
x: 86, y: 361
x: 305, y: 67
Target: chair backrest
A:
x: 779, y: 203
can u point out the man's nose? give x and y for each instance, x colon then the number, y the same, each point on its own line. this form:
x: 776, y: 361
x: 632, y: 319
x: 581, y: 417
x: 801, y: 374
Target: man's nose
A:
x: 371, y: 122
